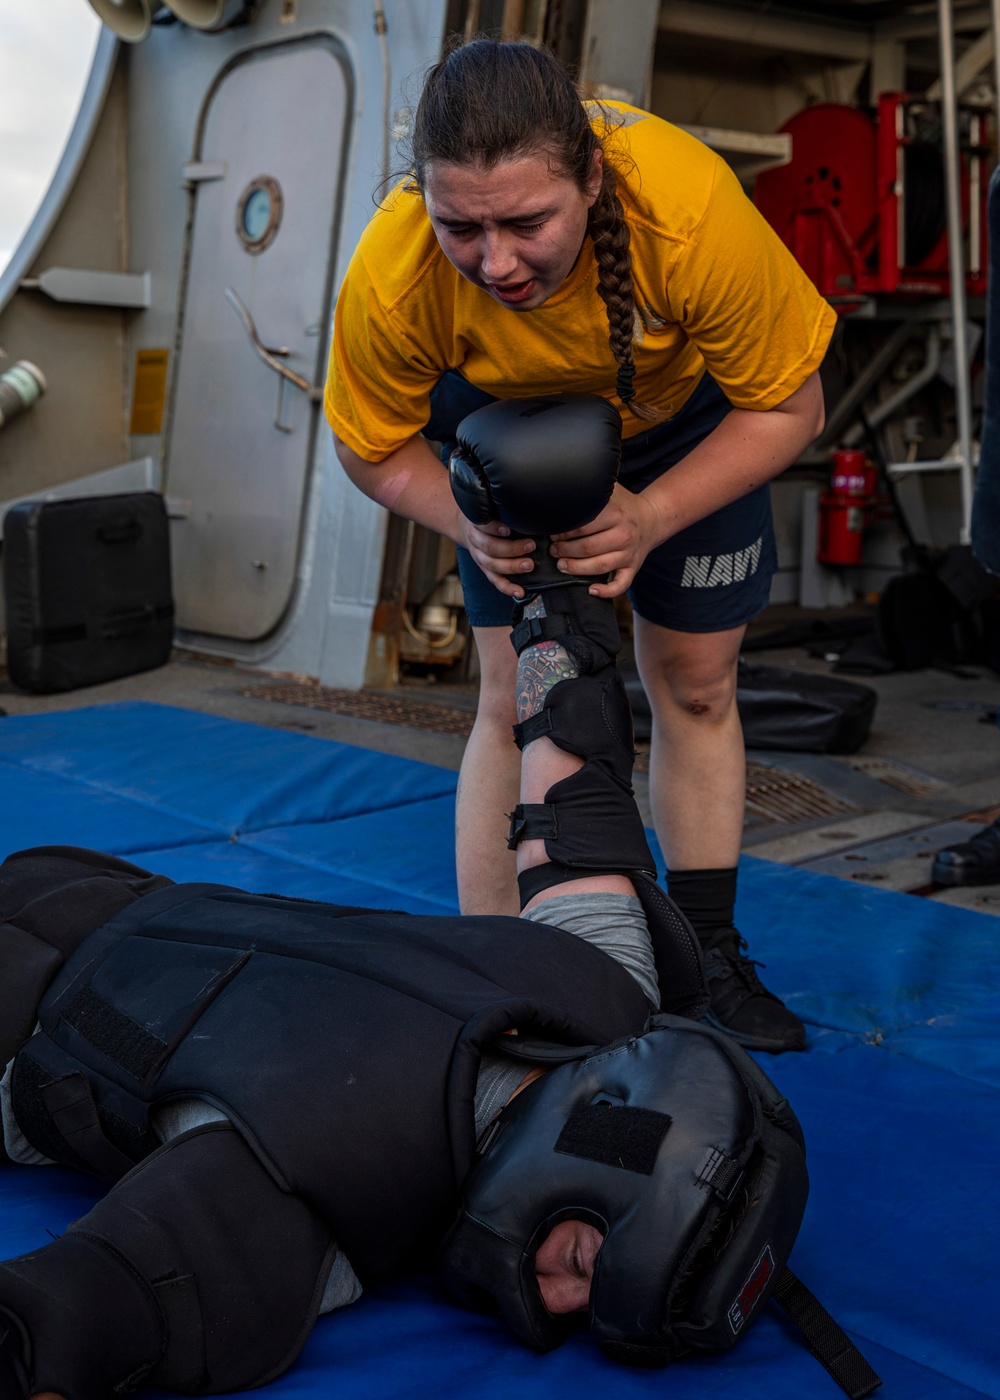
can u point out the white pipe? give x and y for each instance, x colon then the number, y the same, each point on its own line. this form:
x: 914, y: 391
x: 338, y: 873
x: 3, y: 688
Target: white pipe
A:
x: 381, y: 29
x: 939, y: 464
x: 956, y: 261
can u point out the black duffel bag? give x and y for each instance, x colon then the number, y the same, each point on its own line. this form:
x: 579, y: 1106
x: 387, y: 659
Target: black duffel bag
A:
x: 795, y: 711
x: 87, y: 590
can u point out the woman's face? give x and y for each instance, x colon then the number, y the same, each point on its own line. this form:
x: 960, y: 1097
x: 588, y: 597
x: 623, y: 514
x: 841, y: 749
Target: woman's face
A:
x: 516, y: 229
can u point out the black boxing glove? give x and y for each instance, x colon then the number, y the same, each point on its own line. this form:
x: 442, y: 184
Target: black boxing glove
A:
x: 540, y: 466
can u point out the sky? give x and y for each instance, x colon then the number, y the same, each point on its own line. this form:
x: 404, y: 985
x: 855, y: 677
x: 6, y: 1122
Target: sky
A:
x: 46, y: 49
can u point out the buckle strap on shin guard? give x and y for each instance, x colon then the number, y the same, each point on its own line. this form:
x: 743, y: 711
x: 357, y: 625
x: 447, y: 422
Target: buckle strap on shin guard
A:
x: 586, y: 626
x: 90, y: 1323
x: 534, y: 727
x: 532, y: 821
x: 828, y: 1342
x: 536, y: 629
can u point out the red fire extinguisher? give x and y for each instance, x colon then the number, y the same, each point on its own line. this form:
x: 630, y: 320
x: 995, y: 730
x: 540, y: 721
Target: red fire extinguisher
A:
x: 846, y: 508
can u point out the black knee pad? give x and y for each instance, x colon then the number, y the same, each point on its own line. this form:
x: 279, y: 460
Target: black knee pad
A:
x: 589, y: 821
x: 210, y: 1278
x: 589, y: 716
x: 586, y: 626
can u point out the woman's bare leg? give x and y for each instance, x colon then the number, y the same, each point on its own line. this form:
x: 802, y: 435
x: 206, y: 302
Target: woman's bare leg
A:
x: 488, y: 785
x: 697, y: 777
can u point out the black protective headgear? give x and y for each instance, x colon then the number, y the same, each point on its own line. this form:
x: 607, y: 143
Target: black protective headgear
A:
x: 686, y: 1158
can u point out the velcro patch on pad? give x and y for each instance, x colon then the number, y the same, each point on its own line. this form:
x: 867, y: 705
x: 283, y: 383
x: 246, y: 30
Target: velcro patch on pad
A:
x: 618, y: 1136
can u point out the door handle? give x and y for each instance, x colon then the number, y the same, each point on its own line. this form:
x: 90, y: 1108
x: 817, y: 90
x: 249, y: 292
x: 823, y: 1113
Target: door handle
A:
x: 268, y: 355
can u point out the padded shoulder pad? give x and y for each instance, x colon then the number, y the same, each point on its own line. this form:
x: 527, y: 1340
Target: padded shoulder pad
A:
x: 680, y: 968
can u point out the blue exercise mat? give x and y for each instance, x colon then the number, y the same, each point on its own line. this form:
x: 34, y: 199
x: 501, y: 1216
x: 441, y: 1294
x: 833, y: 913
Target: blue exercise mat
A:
x: 898, y: 1092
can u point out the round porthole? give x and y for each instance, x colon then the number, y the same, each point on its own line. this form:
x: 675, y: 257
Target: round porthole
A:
x: 258, y: 216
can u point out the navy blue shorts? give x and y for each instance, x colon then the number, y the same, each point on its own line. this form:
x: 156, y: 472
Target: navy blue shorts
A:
x: 713, y: 576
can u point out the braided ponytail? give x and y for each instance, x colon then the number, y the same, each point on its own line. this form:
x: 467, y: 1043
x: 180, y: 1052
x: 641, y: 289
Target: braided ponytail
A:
x: 490, y: 100
x: 610, y: 233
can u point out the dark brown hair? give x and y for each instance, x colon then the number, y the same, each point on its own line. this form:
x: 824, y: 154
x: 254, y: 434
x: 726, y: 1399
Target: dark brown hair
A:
x: 491, y: 100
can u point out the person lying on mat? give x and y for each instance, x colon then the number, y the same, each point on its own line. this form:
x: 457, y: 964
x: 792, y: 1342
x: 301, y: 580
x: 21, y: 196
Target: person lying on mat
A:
x: 292, y: 1101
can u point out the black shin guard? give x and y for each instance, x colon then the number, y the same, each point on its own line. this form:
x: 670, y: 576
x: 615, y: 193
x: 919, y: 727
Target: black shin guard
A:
x: 589, y: 822
x: 196, y: 1273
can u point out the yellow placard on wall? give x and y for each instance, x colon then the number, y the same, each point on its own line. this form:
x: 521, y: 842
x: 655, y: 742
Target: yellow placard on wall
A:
x: 150, y: 390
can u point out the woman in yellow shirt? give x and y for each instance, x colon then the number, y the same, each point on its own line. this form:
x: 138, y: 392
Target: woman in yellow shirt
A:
x: 545, y: 245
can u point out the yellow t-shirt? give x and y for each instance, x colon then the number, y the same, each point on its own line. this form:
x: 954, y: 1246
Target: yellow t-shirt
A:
x: 714, y: 287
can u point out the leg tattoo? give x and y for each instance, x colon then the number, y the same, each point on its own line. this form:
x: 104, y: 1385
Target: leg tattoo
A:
x: 540, y: 667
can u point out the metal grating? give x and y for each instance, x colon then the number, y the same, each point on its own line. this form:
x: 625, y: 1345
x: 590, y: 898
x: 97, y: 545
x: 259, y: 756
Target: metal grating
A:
x: 772, y: 793
x: 895, y: 775
x: 789, y: 798
x: 776, y: 795
x: 379, y: 709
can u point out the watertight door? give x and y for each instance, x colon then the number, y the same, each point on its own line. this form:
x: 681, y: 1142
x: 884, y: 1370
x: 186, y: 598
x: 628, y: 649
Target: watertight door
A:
x: 265, y: 216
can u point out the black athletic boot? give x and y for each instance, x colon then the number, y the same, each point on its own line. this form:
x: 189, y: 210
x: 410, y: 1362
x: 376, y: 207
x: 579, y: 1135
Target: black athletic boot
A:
x: 975, y: 862
x: 740, y: 1003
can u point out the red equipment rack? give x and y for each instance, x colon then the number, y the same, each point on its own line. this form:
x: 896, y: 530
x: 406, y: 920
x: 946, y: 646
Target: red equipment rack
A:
x: 861, y: 204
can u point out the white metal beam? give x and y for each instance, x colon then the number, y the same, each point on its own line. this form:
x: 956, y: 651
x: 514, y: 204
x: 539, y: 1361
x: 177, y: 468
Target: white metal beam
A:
x: 968, y: 68
x: 956, y: 262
